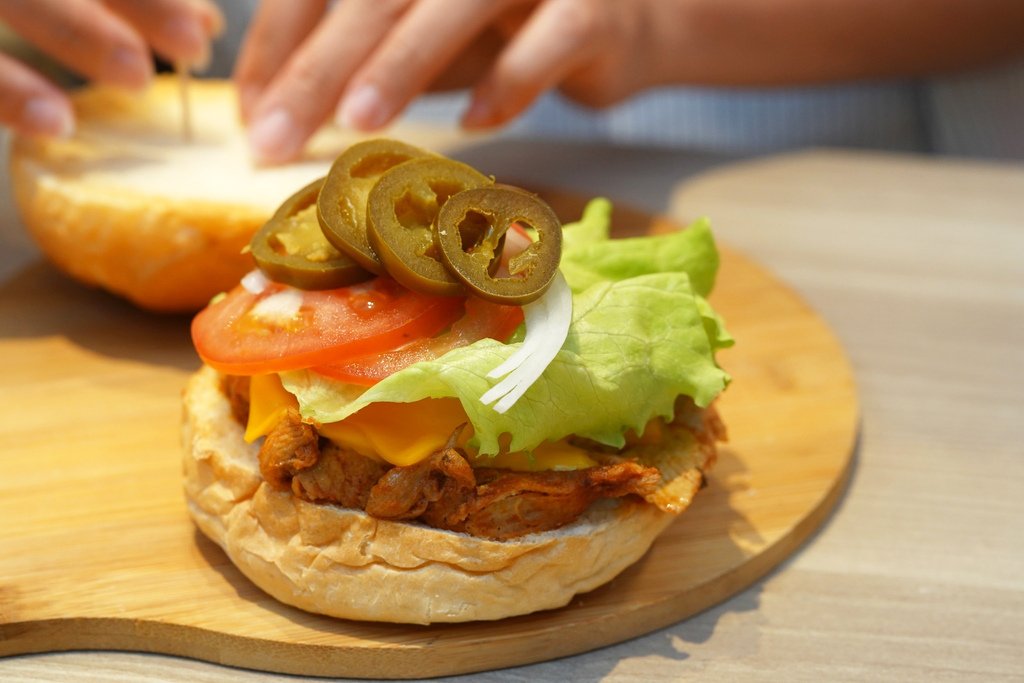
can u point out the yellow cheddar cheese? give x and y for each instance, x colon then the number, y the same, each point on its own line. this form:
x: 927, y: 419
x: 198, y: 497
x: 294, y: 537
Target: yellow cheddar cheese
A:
x: 401, y: 433
x: 268, y: 403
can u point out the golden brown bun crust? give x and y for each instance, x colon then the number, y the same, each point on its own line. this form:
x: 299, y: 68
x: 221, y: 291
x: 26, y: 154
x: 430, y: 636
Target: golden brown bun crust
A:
x: 163, y: 252
x: 344, y: 563
x: 127, y: 204
x: 159, y: 254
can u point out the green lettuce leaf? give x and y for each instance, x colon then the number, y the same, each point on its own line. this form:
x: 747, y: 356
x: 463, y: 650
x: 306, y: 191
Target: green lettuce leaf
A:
x: 586, y: 262
x: 588, y: 257
x: 714, y: 326
x: 593, y: 226
x: 642, y: 334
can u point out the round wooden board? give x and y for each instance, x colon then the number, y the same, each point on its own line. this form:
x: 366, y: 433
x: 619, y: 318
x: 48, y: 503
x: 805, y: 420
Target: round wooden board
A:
x: 97, y: 550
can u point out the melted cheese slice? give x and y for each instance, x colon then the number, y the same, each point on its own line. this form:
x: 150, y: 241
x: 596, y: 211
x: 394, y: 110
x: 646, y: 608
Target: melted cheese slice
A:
x: 401, y: 433
x: 268, y: 403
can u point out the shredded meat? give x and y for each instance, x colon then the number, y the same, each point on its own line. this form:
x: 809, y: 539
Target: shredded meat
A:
x: 711, y: 428
x: 236, y: 389
x: 339, y: 476
x: 510, y: 504
x: 437, y: 488
x: 444, y: 490
x: 291, y: 446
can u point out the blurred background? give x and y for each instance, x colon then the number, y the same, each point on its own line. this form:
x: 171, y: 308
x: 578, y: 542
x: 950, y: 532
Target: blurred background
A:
x: 973, y: 113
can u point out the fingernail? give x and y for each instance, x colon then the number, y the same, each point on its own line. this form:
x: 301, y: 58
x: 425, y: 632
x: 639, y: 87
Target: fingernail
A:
x: 45, y: 116
x: 130, y: 68
x: 364, y: 109
x: 188, y: 36
x: 213, y: 19
x: 479, y: 114
x: 273, y: 138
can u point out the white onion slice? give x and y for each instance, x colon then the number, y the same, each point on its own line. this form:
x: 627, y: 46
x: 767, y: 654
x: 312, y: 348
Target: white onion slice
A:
x: 547, y: 326
x: 279, y: 308
x: 255, y: 281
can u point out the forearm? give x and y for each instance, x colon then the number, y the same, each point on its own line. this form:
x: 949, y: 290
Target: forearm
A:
x: 788, y: 42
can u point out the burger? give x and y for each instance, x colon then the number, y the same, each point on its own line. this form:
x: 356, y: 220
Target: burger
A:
x: 430, y: 401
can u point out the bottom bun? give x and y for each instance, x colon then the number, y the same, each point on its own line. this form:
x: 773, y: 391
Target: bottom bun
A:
x: 343, y: 563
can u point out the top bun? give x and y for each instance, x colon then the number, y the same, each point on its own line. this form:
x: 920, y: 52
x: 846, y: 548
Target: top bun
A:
x: 129, y: 205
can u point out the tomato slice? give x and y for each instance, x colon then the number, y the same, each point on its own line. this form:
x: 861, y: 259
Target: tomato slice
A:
x: 482, y: 319
x: 283, y: 328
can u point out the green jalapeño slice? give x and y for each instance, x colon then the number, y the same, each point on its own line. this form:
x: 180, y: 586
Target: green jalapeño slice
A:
x: 471, y: 229
x: 341, y: 208
x: 290, y: 248
x: 401, y: 212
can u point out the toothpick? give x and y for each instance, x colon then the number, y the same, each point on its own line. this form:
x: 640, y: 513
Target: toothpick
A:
x: 184, y: 80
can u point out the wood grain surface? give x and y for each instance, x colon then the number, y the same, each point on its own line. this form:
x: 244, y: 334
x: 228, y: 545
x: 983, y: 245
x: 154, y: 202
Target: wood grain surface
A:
x: 916, y: 263
x: 97, y: 551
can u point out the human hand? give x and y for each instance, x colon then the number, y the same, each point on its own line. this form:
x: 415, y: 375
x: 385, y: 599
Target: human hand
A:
x: 103, y: 40
x: 364, y: 60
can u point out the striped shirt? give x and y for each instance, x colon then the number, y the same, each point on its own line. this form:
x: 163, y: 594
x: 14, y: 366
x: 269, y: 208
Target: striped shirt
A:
x: 976, y: 114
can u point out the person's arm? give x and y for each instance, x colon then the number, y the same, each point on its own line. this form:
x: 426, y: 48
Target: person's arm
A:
x: 791, y: 42
x: 105, y: 41
x: 365, y: 60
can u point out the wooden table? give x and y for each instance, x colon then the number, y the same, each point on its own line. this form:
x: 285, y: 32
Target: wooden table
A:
x: 918, y: 265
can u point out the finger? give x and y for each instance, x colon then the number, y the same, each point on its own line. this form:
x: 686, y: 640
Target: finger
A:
x: 420, y: 47
x: 472, y: 64
x: 178, y: 30
x: 277, y: 30
x: 302, y: 95
x: 556, y: 39
x: 85, y: 36
x: 476, y: 60
x: 30, y: 104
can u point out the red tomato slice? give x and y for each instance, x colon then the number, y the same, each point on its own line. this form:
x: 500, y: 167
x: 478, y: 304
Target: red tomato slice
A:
x: 482, y: 319
x: 283, y: 328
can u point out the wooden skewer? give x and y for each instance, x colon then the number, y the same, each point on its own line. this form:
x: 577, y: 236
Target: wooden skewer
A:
x: 184, y: 81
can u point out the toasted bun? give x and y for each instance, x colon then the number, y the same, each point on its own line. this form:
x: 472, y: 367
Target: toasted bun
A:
x: 127, y: 204
x: 344, y: 563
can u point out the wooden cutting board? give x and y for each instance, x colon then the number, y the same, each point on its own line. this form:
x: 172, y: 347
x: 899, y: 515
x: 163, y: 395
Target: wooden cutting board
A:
x: 97, y: 550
